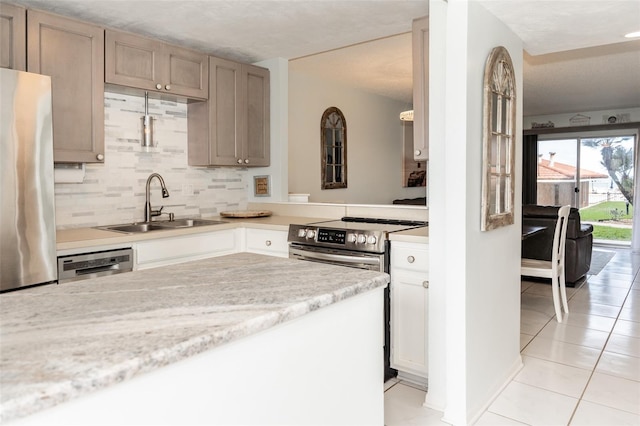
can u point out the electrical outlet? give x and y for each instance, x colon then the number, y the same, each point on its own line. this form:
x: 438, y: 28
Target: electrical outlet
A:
x: 187, y: 189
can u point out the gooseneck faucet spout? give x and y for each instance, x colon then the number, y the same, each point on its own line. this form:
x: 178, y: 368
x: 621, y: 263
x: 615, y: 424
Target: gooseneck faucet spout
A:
x: 148, y: 211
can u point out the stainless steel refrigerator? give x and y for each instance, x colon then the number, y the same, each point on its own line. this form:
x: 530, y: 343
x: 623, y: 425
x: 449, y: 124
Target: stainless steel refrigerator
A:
x: 27, y: 212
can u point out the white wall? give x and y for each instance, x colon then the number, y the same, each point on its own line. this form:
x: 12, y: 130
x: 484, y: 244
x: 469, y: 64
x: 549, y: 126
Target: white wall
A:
x: 596, y: 117
x: 478, y: 272
x: 278, y: 169
x: 374, y: 142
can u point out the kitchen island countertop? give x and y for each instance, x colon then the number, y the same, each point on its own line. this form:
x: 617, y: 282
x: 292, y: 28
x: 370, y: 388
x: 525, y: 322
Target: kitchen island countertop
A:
x: 63, y: 341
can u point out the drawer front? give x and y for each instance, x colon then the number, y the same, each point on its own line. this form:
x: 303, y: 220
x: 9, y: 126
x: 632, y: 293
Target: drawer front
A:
x: 269, y: 242
x: 412, y: 257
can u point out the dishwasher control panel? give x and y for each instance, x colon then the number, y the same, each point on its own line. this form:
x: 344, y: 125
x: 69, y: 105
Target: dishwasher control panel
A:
x: 94, y: 264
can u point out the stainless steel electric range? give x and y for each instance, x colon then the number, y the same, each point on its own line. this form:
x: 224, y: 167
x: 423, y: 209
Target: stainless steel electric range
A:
x: 355, y: 242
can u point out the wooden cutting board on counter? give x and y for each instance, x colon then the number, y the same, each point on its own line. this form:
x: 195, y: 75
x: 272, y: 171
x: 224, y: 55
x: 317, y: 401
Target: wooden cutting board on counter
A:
x: 247, y: 213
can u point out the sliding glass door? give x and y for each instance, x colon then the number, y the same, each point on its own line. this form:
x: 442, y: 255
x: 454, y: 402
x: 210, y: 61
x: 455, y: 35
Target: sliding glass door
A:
x: 595, y: 175
x: 558, y: 176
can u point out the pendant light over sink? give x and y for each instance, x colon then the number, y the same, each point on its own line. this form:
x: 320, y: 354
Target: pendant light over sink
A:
x: 147, y: 126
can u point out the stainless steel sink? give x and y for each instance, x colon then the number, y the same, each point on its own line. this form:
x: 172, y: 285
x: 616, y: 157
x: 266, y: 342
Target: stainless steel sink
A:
x: 134, y: 228
x: 188, y: 223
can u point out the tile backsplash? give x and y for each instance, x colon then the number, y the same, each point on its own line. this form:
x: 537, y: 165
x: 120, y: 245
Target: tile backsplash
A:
x: 114, y: 192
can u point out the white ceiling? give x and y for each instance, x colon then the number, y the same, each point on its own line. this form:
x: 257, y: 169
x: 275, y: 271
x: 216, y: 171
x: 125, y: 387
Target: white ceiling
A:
x: 560, y: 79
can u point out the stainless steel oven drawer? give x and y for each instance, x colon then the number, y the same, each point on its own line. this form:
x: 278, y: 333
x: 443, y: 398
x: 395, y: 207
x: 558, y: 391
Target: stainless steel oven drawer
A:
x: 352, y: 259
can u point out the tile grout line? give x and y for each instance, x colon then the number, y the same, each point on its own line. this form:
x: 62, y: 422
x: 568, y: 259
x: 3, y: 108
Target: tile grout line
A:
x: 633, y: 276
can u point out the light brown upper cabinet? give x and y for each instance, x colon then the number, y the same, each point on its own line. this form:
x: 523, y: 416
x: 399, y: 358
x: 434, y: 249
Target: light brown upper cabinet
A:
x: 13, y: 37
x: 420, y: 46
x: 152, y: 65
x: 72, y: 54
x: 232, y: 128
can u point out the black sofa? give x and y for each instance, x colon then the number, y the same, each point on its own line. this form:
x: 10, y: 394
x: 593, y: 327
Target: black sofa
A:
x: 578, y: 246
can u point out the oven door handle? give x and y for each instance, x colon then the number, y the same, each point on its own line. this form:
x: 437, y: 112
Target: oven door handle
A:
x: 336, y: 257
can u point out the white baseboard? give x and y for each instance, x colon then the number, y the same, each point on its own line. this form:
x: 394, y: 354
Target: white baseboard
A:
x: 422, y: 382
x: 514, y: 370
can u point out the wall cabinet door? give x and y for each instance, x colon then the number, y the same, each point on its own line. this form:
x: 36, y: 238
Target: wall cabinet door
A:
x: 233, y: 127
x: 409, y: 308
x: 187, y: 72
x: 72, y: 54
x: 148, y: 64
x: 13, y: 37
x: 420, y: 43
x: 225, y: 111
x: 256, y: 117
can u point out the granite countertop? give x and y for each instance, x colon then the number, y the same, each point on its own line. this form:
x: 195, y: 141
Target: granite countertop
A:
x: 415, y: 235
x: 63, y: 341
x: 91, y: 237
x: 81, y: 238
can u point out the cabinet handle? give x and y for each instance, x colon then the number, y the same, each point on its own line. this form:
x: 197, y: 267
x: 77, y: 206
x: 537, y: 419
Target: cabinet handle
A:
x: 425, y: 284
x: 246, y: 161
x: 411, y: 259
x: 168, y: 87
x: 100, y: 157
x: 418, y: 152
x: 159, y: 86
x: 239, y: 160
x: 267, y: 243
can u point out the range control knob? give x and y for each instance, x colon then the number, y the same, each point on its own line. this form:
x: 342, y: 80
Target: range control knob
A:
x: 302, y: 233
x: 371, y: 239
x: 351, y: 238
x: 311, y: 233
x: 361, y: 239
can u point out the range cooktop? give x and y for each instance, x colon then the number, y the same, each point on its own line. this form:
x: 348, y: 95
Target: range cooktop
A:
x: 361, y: 234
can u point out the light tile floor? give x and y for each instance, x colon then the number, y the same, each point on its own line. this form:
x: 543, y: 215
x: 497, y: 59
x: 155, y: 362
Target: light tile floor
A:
x: 585, y: 371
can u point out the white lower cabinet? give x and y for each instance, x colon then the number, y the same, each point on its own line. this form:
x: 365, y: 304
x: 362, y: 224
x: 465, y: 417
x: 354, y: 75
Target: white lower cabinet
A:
x: 267, y: 241
x: 172, y: 250
x: 409, y: 308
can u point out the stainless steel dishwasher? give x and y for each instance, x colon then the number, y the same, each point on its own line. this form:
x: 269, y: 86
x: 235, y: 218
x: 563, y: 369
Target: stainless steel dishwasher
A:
x: 94, y: 264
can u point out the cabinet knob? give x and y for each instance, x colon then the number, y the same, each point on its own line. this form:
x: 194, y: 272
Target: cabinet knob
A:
x: 246, y: 161
x: 418, y: 152
x: 425, y: 284
x: 267, y: 243
x: 100, y: 157
x: 411, y: 259
x: 159, y: 86
x: 167, y: 87
x: 239, y: 160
